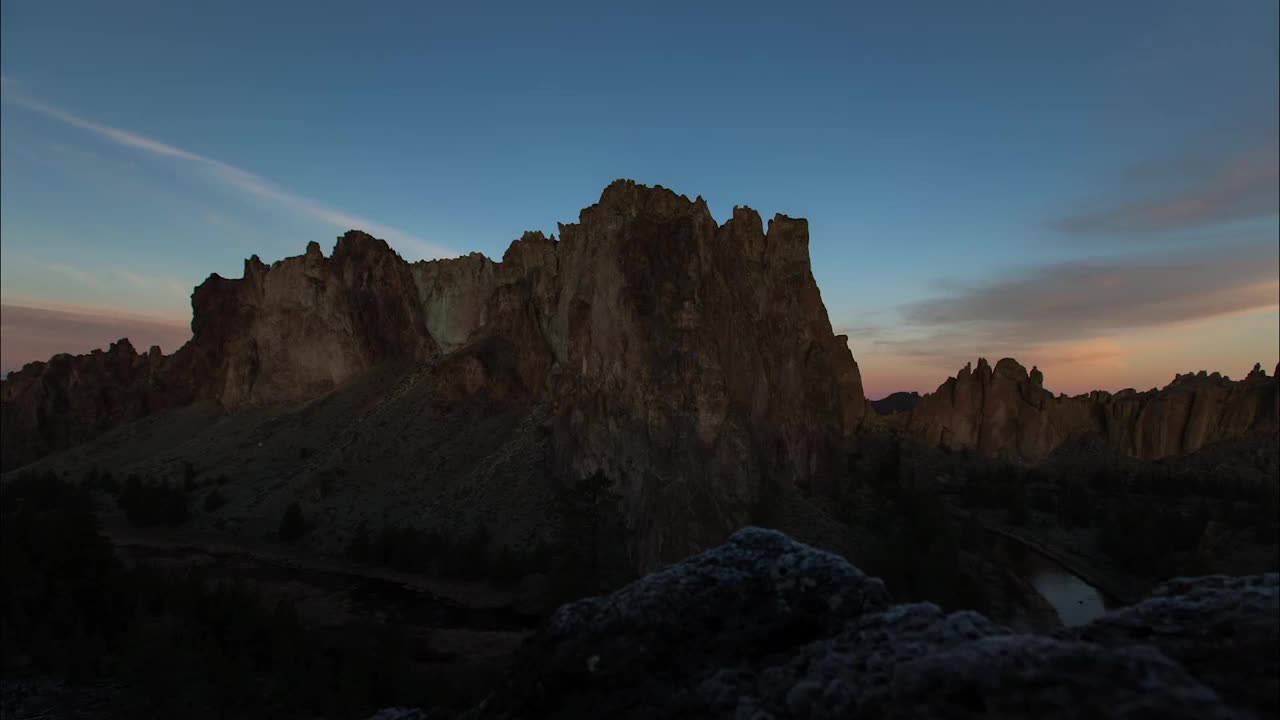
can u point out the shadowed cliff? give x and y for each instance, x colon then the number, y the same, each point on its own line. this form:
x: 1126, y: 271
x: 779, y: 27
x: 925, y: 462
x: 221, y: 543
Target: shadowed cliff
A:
x: 686, y: 359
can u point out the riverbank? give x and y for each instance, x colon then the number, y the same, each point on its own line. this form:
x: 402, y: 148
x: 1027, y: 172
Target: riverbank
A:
x: 1117, y: 587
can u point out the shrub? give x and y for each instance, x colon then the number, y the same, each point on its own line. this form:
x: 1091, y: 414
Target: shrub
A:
x: 505, y: 570
x: 149, y: 503
x: 358, y: 545
x: 292, y: 524
x: 214, y: 500
x: 65, y: 595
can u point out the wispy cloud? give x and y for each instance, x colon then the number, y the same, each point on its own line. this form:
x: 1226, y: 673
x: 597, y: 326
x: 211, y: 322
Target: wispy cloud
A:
x: 111, y: 277
x: 238, y: 178
x: 1073, y: 300
x: 1073, y: 315
x: 1242, y: 186
x: 165, y: 285
x: 74, y: 274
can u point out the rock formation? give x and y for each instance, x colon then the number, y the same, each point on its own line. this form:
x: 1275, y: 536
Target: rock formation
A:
x: 897, y: 402
x: 1006, y: 411
x: 71, y: 399
x: 686, y: 359
x: 765, y: 627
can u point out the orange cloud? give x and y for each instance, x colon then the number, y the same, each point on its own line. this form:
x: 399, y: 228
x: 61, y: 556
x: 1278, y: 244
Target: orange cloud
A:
x: 1141, y: 358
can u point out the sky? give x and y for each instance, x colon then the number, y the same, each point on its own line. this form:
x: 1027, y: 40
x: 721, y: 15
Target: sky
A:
x: 1088, y: 187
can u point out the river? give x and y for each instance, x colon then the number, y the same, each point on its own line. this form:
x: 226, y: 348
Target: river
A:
x: 1076, y: 601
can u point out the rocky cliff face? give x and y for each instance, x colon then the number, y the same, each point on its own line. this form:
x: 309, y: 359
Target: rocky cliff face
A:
x: 303, y: 325
x: 688, y: 360
x: 71, y: 399
x: 1006, y: 411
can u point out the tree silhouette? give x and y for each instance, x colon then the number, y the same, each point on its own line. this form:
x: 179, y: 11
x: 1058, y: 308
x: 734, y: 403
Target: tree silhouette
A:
x: 292, y: 525
x: 589, y: 516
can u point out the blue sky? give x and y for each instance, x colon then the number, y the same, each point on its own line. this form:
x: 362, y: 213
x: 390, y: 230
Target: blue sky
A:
x: 1089, y: 187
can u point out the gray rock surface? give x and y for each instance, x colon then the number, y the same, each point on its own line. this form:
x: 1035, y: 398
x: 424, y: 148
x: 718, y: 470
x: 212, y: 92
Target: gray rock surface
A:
x: 1222, y: 629
x: 765, y: 627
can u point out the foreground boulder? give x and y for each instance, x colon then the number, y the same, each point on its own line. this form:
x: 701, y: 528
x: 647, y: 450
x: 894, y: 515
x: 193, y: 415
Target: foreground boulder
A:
x: 1223, y: 629
x: 765, y: 627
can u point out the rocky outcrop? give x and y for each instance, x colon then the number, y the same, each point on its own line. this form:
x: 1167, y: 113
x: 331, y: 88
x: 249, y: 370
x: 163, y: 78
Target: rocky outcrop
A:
x: 1006, y: 411
x: 766, y: 627
x: 303, y: 325
x: 688, y: 360
x: 1208, y: 625
x: 288, y: 331
x: 73, y: 398
x: 899, y: 402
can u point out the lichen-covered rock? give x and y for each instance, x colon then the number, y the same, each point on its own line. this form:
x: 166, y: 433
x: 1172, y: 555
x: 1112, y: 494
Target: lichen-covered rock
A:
x: 765, y: 627
x: 1223, y: 629
x: 642, y: 650
x: 1007, y: 412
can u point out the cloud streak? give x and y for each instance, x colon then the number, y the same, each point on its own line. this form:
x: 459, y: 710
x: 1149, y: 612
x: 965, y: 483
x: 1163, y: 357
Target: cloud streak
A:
x: 1243, y: 187
x: 111, y: 277
x: 1073, y: 300
x: 238, y: 178
x: 1077, y: 315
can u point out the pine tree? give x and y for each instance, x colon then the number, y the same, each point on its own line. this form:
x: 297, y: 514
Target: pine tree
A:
x: 292, y: 525
x: 588, y: 511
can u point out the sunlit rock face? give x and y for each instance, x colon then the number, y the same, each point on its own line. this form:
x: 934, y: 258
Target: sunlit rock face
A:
x: 766, y: 627
x: 1006, y: 411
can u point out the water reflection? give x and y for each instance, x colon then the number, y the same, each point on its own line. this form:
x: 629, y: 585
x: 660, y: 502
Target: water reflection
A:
x: 1076, y: 601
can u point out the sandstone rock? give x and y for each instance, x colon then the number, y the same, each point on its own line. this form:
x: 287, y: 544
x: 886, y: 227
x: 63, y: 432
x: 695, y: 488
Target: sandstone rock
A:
x: 764, y: 627
x: 1007, y: 412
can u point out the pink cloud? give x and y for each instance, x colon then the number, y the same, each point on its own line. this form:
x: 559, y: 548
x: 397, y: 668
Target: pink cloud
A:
x: 28, y: 334
x: 1241, y: 187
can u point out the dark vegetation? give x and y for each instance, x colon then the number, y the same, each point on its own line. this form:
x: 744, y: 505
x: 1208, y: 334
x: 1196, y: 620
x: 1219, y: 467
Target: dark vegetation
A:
x: 146, y: 502
x: 1149, y: 518
x: 292, y: 524
x: 428, y: 552
x: 583, y: 557
x: 919, y: 553
x: 174, y: 645
x: 171, y: 643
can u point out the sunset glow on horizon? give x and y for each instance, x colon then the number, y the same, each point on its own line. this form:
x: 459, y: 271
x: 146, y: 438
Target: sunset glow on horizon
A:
x: 1091, y: 189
